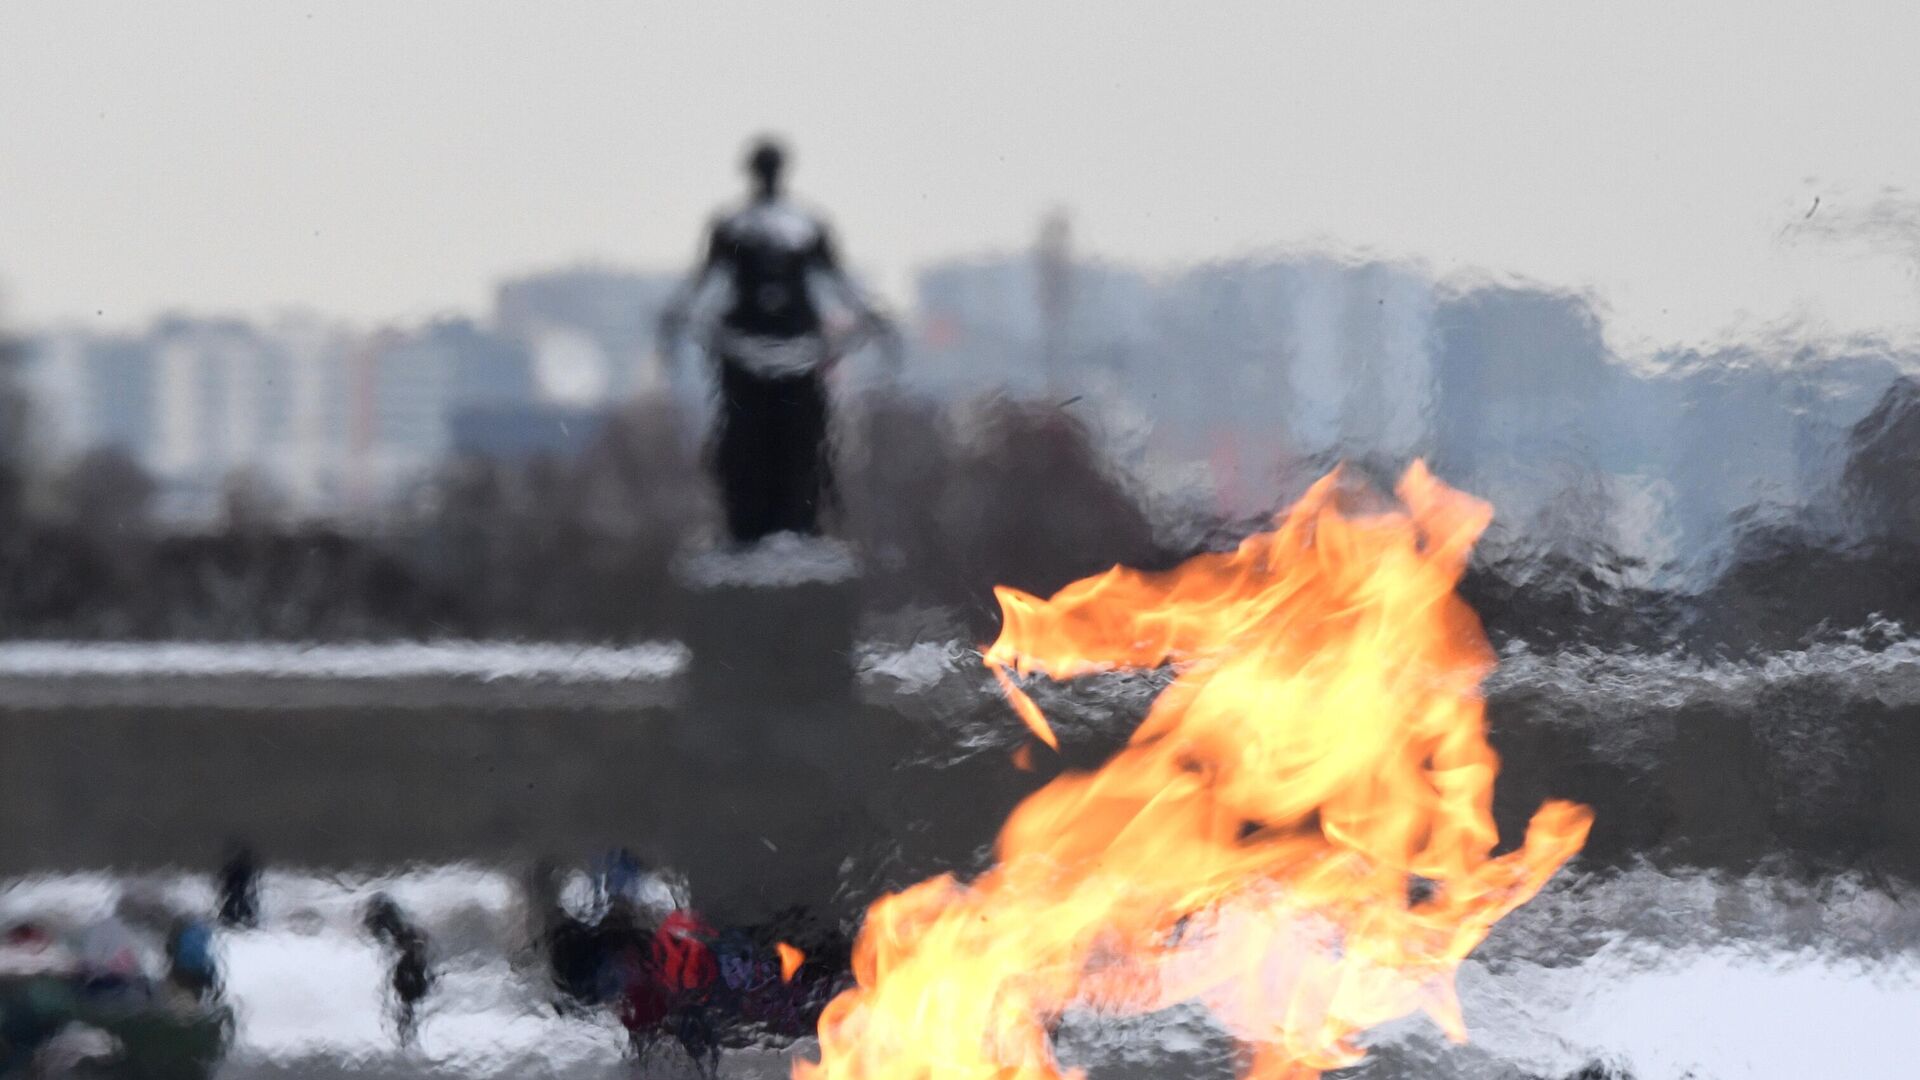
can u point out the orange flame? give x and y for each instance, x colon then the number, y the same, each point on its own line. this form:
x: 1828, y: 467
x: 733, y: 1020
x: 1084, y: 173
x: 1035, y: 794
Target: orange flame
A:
x: 790, y: 960
x: 1299, y: 836
x: 1023, y: 705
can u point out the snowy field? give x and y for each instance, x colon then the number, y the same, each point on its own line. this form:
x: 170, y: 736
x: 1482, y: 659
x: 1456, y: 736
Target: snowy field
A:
x: 1657, y: 976
x: 1651, y: 973
x: 430, y: 674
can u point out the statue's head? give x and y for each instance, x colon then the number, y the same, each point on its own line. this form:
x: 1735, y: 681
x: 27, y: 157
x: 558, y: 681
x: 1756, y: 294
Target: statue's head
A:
x: 766, y: 161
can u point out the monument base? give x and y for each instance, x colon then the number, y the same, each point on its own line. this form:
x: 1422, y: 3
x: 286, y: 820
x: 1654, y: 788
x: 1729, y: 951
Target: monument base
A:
x: 771, y: 623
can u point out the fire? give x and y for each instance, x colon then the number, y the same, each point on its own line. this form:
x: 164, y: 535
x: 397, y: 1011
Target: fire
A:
x: 790, y: 960
x: 1299, y: 836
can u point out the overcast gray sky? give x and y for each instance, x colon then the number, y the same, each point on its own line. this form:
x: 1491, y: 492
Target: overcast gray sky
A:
x: 392, y: 159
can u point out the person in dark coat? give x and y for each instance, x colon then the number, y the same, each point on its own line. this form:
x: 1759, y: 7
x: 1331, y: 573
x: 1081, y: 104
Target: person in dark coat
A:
x: 240, y: 889
x: 412, y: 973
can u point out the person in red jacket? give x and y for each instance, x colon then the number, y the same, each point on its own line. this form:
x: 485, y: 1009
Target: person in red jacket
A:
x: 683, y: 954
x: 670, y: 993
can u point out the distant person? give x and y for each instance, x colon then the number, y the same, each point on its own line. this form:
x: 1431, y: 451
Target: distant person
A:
x: 772, y: 349
x: 191, y: 965
x: 669, y: 992
x: 586, y: 959
x: 412, y: 974
x: 620, y: 873
x: 113, y: 955
x: 38, y: 995
x: 240, y: 889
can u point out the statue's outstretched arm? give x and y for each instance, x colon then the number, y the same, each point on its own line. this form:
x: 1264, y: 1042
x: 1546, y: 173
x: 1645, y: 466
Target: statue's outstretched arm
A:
x: 876, y: 325
x: 673, y: 314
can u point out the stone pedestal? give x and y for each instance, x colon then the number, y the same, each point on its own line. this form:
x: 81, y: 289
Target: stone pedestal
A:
x: 773, y: 624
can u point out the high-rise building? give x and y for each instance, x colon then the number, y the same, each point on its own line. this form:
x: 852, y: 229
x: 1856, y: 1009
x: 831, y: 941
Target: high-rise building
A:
x: 589, y: 331
x: 1243, y: 364
x: 405, y: 386
x: 1025, y: 323
x: 91, y: 391
x: 330, y: 420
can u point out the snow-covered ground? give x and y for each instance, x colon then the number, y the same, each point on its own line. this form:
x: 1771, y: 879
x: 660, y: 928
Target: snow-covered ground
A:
x: 67, y: 675
x: 486, y: 661
x: 1660, y: 976
x: 1656, y: 974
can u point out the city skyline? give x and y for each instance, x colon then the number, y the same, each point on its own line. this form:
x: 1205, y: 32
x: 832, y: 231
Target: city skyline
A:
x: 1209, y: 390
x: 1733, y: 172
